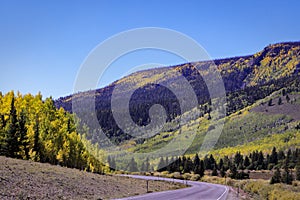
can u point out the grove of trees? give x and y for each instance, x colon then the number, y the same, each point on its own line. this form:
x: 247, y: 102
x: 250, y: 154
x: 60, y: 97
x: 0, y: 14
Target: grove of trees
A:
x: 34, y: 129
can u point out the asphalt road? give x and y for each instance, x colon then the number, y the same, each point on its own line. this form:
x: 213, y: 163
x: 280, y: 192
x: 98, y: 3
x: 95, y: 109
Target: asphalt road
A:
x: 198, y: 190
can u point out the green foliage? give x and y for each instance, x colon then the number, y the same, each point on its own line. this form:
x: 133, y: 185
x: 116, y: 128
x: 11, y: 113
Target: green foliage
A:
x: 246, y: 80
x: 279, y: 101
x: 214, y: 172
x: 264, y: 190
x: 276, y: 178
x: 287, y: 177
x: 31, y: 128
x: 132, y: 166
x: 298, y: 170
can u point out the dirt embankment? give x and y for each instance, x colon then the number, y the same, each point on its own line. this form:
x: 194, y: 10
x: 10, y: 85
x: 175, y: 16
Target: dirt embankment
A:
x: 21, y: 179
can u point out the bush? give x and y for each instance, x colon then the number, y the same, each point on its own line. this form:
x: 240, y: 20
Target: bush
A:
x: 177, y: 175
x: 186, y: 176
x: 195, y: 177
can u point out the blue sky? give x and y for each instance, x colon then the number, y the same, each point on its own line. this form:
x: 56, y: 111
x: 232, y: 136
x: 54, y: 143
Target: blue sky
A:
x: 43, y: 43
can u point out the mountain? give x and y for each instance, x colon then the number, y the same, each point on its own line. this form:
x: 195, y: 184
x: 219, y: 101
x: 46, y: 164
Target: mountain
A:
x: 247, y: 79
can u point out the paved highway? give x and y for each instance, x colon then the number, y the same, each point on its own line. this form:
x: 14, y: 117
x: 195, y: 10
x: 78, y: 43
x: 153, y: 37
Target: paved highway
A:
x: 198, y: 190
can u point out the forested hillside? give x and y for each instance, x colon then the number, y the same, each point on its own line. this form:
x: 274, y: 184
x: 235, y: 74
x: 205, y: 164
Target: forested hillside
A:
x: 34, y: 129
x: 246, y: 80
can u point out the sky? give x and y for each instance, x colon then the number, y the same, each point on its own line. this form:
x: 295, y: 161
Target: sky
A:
x: 44, y: 43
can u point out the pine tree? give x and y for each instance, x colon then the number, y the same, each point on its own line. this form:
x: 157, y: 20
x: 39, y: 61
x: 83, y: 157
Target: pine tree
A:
x: 221, y: 164
x: 233, y: 172
x: 287, y: 98
x: 13, y: 146
x: 279, y: 101
x: 283, y: 92
x: 276, y: 178
x: 147, y: 165
x: 270, y: 103
x: 281, y: 155
x: 222, y: 171
x: 161, y: 165
x: 246, y: 162
x: 24, y: 142
x: 111, y: 162
x: 214, y: 172
x: 132, y: 166
x: 298, y: 170
x: 196, y: 160
x: 286, y: 177
x: 143, y: 168
x: 188, y: 165
x: 238, y: 160
x: 274, y: 156
x: 260, y: 161
x: 199, y: 169
x: 212, y: 162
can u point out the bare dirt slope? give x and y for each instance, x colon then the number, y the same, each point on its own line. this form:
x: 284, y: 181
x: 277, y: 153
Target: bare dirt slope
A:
x: 21, y: 179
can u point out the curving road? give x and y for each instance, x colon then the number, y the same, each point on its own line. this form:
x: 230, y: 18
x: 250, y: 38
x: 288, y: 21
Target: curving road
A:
x: 198, y: 190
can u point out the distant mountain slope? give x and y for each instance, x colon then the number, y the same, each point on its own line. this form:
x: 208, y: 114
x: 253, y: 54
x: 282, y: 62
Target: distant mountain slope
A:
x: 246, y: 79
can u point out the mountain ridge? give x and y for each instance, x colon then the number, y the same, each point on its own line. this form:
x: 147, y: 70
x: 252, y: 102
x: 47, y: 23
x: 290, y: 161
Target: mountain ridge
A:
x: 275, y: 64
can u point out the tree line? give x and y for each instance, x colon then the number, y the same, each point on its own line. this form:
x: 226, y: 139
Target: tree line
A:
x: 236, y: 167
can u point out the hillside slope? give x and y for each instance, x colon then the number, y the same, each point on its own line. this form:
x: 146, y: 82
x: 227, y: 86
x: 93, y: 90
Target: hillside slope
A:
x: 246, y: 80
x: 20, y: 179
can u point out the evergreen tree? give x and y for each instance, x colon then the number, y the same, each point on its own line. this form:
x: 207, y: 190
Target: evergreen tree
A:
x: 281, y: 155
x: 274, y: 156
x: 227, y: 163
x: 279, y: 101
x: 276, y: 178
x: 221, y: 164
x: 270, y: 103
x: 246, y: 162
x: 199, y: 169
x: 143, y: 168
x: 147, y: 165
x: 206, y: 162
x: 298, y: 170
x: 188, y: 165
x: 286, y: 177
x: 24, y: 142
x: 233, y: 172
x: 212, y: 162
x: 214, y: 172
x: 222, y: 171
x: 196, y: 160
x: 132, y: 166
x: 238, y: 160
x: 287, y: 98
x: 13, y: 146
x: 167, y: 167
x: 161, y: 165
x: 260, y: 161
x: 111, y: 162
x: 283, y: 92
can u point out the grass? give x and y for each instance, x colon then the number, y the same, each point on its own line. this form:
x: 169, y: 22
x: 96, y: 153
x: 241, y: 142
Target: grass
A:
x: 21, y: 179
x: 260, y: 189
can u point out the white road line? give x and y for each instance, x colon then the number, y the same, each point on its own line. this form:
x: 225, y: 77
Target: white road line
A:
x: 226, y: 189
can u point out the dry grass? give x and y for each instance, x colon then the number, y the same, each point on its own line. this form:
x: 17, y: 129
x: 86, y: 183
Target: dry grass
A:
x: 285, y: 108
x: 21, y: 179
